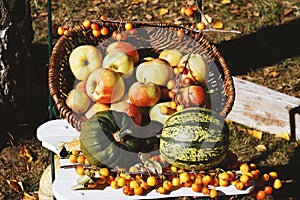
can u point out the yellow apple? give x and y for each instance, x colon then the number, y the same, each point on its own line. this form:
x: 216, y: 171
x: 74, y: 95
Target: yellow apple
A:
x: 96, y: 107
x: 157, y: 71
x: 78, y: 101
x: 119, y: 62
x: 105, y: 86
x: 197, y: 67
x: 83, y: 60
x: 126, y: 47
x: 173, y: 56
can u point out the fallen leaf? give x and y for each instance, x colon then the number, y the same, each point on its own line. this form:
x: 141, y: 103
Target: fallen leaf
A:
x: 255, y: 133
x: 134, y: 2
x: 29, y: 197
x: 261, y: 147
x: 217, y: 24
x: 256, y: 13
x: 17, y: 186
x: 274, y: 74
x: 287, y: 11
x: 284, y: 135
x: 163, y: 11
x: 225, y: 1
x: 25, y: 154
x: 206, y: 19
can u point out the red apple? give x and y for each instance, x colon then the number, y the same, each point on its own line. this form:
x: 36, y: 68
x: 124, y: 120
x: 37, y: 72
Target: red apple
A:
x: 105, y: 86
x: 78, y: 101
x: 128, y: 108
x: 193, y: 95
x: 126, y: 47
x: 144, y: 94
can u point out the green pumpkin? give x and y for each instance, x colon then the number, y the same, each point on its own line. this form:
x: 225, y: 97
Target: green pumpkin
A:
x: 195, y: 138
x: 110, y: 138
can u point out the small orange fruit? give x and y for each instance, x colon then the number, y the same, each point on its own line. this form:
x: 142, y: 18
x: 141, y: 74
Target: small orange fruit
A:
x: 180, y: 33
x: 73, y: 158
x: 265, y: 177
x: 103, y: 17
x: 80, y: 159
x: 80, y: 170
x: 213, y: 193
x: 273, y: 175
x: 60, y: 30
x: 138, y: 191
x: 104, y: 31
x: 196, y: 187
x: 205, y: 191
x: 128, y: 26
x: 189, y: 11
x: 200, y: 26
x: 260, y: 195
x: 277, y: 184
x: 176, y: 181
x: 268, y: 190
x: 182, y: 10
x: 244, y: 167
x: 152, y: 181
x: 87, y: 23
x: 94, y: 26
x: 161, y: 190
x: 239, y: 185
x: 96, y: 32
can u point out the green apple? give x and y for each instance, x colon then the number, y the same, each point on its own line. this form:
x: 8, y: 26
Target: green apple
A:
x: 157, y: 71
x: 119, y: 62
x: 173, y: 56
x: 83, y: 60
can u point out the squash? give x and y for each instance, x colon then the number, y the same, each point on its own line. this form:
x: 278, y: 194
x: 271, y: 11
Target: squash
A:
x: 110, y: 138
x: 195, y: 138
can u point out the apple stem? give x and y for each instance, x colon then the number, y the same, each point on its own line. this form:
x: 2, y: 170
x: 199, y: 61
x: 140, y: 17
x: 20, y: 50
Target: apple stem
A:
x: 119, y: 135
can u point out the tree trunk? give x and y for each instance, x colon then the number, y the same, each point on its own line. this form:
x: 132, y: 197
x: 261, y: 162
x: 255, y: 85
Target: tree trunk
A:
x: 16, y: 77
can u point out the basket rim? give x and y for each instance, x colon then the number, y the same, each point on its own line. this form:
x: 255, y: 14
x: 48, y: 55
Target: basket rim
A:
x: 76, y: 121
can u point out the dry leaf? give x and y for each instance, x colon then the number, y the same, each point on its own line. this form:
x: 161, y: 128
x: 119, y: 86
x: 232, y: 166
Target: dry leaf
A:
x: 225, y: 1
x: 255, y: 133
x: 206, y: 19
x: 274, y: 74
x: 284, y: 135
x: 163, y: 11
x: 287, y: 11
x: 29, y: 197
x: 217, y: 24
x: 261, y: 147
x: 25, y: 154
x: 17, y: 186
x: 134, y: 2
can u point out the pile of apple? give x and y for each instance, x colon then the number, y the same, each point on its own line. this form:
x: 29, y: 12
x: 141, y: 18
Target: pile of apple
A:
x: 120, y: 80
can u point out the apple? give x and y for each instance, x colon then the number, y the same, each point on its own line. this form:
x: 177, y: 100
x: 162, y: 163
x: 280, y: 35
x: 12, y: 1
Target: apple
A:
x: 81, y: 86
x: 96, y: 107
x: 105, y: 86
x: 83, y: 60
x: 173, y: 56
x: 144, y: 93
x: 129, y: 109
x: 119, y: 62
x: 126, y: 47
x: 197, y: 67
x: 157, y: 71
x: 78, y: 101
x: 156, y: 114
x: 193, y: 95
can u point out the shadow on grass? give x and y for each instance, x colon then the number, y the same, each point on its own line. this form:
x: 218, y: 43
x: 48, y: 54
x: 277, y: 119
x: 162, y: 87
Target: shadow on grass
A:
x: 265, y: 47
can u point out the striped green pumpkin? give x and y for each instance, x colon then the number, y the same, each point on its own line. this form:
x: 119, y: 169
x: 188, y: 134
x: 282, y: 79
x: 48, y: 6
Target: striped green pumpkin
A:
x: 195, y: 138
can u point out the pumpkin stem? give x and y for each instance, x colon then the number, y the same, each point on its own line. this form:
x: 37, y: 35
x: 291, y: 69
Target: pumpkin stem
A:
x: 119, y: 135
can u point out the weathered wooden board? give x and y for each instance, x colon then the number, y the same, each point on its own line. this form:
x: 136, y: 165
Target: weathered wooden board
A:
x: 263, y: 109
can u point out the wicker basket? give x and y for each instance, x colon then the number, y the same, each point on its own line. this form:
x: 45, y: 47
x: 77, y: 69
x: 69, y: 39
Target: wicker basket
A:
x: 151, y: 38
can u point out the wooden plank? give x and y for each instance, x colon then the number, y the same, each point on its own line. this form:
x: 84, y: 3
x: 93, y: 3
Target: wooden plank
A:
x: 263, y: 109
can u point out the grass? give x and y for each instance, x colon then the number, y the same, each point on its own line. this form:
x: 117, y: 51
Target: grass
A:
x: 247, y: 16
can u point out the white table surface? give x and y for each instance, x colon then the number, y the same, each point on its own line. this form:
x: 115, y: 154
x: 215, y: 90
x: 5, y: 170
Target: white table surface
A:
x: 59, y: 131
